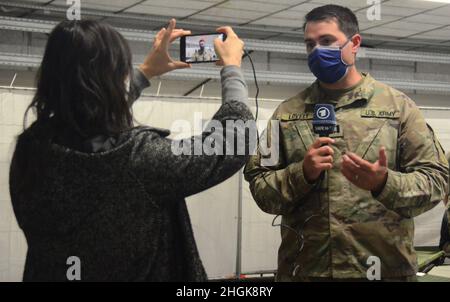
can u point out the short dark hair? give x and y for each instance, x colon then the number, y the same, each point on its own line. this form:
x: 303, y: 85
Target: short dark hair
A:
x: 346, y: 19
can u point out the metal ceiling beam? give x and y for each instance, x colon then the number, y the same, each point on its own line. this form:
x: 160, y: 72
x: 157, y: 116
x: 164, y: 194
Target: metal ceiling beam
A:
x: 17, y: 60
x: 43, y: 26
x: 281, y: 78
x: 159, y: 97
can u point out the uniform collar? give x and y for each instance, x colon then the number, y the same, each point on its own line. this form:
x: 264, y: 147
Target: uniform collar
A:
x: 344, y: 97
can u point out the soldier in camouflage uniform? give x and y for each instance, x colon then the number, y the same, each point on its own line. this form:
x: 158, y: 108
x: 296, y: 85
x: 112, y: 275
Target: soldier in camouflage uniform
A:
x: 381, y: 168
x: 203, y: 54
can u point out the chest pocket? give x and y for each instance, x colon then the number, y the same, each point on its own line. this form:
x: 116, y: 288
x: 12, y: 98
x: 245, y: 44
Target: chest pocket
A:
x: 375, y: 129
x: 297, y: 137
x: 362, y: 131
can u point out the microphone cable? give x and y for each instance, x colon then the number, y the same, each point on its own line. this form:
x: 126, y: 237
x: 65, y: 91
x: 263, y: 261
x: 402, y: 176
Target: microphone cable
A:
x: 247, y: 54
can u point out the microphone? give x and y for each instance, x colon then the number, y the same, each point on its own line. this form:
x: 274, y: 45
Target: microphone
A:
x: 324, y: 120
x: 324, y: 124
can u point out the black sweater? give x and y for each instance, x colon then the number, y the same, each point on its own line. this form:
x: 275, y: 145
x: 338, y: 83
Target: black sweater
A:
x: 121, y: 211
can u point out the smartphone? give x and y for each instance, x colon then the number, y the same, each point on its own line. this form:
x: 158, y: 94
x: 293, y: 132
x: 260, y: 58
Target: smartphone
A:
x: 199, y: 48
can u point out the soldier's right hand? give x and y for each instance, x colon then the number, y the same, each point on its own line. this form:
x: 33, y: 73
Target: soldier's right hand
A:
x: 318, y: 158
x: 231, y: 50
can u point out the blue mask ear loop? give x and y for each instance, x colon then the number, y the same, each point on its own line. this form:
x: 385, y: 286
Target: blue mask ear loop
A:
x: 348, y: 65
x: 342, y: 47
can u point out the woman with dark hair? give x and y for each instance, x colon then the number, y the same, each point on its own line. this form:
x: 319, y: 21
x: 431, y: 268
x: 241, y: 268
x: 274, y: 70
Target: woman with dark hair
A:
x: 84, y: 182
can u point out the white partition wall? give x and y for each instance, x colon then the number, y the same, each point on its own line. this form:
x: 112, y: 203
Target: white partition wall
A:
x: 233, y: 234
x: 439, y: 120
x: 260, y: 240
x: 13, y: 246
x: 214, y: 213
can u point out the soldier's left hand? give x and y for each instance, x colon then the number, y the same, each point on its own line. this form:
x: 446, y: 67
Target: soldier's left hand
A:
x: 365, y: 175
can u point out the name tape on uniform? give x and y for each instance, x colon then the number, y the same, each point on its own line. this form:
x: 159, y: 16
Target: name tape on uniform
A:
x: 379, y: 113
x: 297, y: 116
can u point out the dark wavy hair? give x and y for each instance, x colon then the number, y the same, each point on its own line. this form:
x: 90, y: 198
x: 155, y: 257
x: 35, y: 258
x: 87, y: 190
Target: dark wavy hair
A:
x: 81, y: 81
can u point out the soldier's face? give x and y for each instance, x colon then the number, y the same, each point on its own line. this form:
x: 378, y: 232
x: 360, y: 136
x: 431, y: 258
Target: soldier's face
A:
x: 327, y: 33
x: 201, y: 44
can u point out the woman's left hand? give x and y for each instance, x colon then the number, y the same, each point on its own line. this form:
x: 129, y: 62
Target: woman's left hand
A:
x: 159, y: 61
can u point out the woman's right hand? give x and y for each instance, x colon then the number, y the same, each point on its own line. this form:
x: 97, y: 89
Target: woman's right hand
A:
x: 159, y: 61
x: 231, y: 50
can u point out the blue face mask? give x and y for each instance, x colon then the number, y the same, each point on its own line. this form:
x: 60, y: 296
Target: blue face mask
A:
x: 326, y: 63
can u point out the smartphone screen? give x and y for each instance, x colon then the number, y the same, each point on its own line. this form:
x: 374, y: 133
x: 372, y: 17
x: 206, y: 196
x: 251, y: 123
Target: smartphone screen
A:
x: 199, y: 48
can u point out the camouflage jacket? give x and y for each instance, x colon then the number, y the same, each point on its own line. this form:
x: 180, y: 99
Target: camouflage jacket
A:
x: 342, y: 225
x: 206, y: 55
x: 448, y: 188
x: 447, y: 200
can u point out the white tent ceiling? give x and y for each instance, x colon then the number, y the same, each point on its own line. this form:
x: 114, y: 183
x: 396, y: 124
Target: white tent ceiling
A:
x: 407, y: 24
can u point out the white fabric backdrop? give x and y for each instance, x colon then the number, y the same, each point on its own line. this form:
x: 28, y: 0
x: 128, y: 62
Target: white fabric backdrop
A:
x: 214, y: 213
x: 13, y: 246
